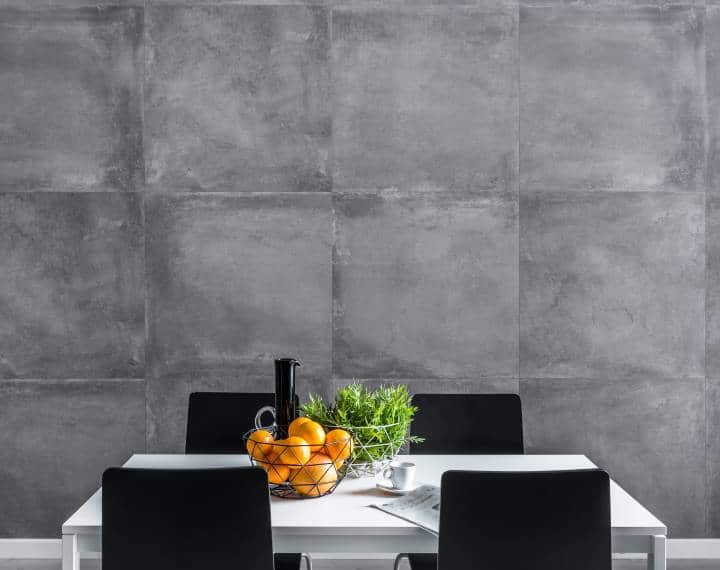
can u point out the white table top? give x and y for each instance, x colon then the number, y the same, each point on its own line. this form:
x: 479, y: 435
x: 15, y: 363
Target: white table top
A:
x: 346, y: 509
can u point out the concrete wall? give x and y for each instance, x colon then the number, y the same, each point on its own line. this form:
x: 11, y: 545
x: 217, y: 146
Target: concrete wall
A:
x: 467, y: 197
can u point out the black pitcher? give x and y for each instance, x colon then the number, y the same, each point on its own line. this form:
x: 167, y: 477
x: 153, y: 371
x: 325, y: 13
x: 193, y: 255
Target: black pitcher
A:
x: 286, y: 402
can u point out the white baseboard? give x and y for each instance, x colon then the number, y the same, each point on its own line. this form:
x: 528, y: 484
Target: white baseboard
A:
x: 51, y: 549
x: 31, y: 548
x: 697, y: 548
x: 677, y: 549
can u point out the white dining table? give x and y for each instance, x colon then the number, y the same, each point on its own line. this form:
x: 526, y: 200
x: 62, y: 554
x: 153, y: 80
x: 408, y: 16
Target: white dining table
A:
x: 344, y: 522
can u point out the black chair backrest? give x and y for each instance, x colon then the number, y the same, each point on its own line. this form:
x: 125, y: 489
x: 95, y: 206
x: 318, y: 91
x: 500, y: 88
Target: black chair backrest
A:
x: 217, y: 421
x: 194, y: 519
x: 468, y: 423
x: 551, y: 520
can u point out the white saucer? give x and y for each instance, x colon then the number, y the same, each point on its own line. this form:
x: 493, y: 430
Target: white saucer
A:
x: 393, y: 491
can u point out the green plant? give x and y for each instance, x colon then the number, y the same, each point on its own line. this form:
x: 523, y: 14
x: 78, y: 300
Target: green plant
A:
x: 378, y: 419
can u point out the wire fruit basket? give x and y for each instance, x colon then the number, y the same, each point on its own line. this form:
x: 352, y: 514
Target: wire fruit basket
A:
x: 298, y: 469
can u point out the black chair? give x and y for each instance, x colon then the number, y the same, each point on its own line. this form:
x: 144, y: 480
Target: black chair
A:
x: 461, y: 424
x: 194, y: 519
x: 217, y: 421
x: 552, y: 520
x: 216, y: 424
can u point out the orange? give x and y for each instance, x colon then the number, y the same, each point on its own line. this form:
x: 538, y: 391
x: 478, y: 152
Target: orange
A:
x: 259, y: 444
x: 313, y: 433
x: 292, y: 451
x: 277, y: 473
x: 338, y: 463
x: 267, y: 461
x: 295, y: 425
x: 316, y: 478
x: 338, y: 444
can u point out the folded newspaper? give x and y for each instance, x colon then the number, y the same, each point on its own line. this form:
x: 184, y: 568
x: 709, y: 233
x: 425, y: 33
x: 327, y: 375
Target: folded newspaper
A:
x: 420, y: 507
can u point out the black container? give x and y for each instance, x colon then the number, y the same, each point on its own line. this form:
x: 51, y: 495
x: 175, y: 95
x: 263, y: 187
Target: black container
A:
x: 285, y: 399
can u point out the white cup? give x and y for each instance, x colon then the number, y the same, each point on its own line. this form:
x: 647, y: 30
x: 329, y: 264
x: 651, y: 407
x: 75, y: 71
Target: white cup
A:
x: 400, y: 475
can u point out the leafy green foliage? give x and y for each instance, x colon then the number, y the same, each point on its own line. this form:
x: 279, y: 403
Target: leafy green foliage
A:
x: 378, y: 419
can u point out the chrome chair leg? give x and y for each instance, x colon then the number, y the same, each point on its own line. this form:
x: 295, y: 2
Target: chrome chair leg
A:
x: 307, y: 559
x: 398, y: 558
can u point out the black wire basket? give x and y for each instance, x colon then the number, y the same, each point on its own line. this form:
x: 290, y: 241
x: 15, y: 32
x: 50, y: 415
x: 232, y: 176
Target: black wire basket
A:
x: 298, y: 470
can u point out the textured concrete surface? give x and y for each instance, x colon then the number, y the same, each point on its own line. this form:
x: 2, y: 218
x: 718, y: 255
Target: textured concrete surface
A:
x: 712, y: 299
x: 72, y: 288
x: 425, y: 285
x: 622, y: 4
x: 712, y: 50
x: 235, y: 279
x: 437, y: 385
x: 712, y: 405
x: 56, y: 439
x: 648, y: 434
x: 70, y: 99
x: 339, y: 181
x: 395, y: 72
x: 237, y: 98
x: 612, y: 285
x: 612, y: 99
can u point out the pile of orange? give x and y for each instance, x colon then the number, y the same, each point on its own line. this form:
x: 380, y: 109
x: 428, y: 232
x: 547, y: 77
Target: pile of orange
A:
x: 308, y: 459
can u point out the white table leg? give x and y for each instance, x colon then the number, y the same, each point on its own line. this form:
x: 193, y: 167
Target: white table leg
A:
x: 657, y: 559
x: 70, y: 555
